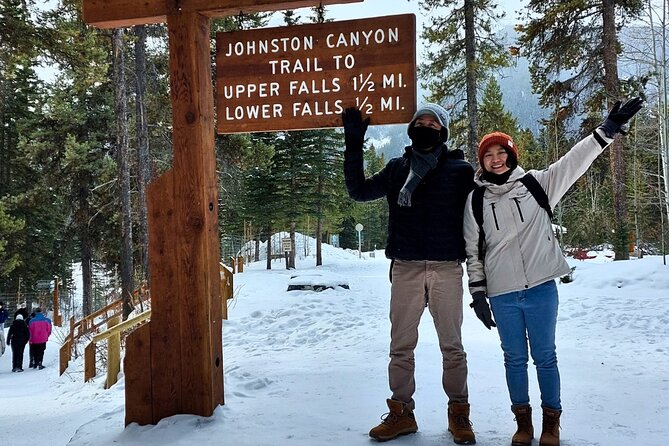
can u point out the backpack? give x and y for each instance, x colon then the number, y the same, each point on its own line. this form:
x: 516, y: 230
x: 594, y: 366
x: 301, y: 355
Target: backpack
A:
x: 530, y: 183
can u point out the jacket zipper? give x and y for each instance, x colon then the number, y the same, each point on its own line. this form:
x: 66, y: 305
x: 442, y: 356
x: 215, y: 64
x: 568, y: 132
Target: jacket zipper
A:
x: 494, y: 214
x: 520, y: 212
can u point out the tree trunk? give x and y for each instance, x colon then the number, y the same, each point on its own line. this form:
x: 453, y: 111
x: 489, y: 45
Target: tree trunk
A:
x: 470, y: 60
x: 611, y: 86
x: 269, y: 248
x: 291, y: 256
x: 86, y: 256
x: 122, y: 153
x: 319, y: 243
x: 143, y: 160
x: 256, y: 254
x: 319, y: 222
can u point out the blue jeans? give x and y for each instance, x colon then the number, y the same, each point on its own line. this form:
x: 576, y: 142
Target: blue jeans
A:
x: 522, y: 315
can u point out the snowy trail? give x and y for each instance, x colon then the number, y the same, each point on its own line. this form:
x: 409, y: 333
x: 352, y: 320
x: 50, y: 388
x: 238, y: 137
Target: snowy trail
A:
x: 309, y: 369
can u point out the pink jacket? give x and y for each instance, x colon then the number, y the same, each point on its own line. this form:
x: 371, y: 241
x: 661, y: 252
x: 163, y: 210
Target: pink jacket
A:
x: 40, y: 329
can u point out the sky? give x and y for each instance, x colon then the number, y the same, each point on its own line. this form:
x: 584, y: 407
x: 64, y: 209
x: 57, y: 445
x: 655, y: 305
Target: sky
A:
x: 377, y: 8
x: 374, y: 8
x: 304, y: 368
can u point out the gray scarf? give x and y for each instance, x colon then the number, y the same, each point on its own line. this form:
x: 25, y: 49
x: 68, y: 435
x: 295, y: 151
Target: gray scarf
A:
x: 421, y: 164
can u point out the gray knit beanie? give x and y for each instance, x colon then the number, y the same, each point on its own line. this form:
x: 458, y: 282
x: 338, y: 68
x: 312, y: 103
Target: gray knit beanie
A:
x: 435, y: 110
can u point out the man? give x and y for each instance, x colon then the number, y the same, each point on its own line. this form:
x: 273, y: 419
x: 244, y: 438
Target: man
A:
x: 40, y: 330
x: 426, y: 190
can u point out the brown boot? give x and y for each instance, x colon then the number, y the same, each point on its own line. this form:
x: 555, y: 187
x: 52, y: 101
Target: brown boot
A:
x: 459, y: 424
x: 525, y: 432
x: 399, y: 421
x: 551, y: 429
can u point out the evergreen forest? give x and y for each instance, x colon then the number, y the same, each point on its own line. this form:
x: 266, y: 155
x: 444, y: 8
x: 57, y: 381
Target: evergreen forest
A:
x: 85, y: 125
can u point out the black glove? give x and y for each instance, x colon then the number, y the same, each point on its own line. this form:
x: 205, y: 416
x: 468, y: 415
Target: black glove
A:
x: 619, y: 116
x: 482, y: 309
x: 354, y: 128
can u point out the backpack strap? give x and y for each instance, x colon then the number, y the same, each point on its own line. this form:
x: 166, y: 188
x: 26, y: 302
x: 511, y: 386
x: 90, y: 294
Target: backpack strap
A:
x: 477, y: 210
x: 537, y: 192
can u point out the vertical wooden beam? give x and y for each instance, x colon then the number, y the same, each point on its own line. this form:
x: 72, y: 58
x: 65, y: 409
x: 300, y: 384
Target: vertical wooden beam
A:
x: 165, y: 327
x: 137, y: 371
x: 89, y: 362
x: 196, y: 195
x: 186, y: 344
x: 113, y: 354
x: 57, y: 320
x: 64, y: 355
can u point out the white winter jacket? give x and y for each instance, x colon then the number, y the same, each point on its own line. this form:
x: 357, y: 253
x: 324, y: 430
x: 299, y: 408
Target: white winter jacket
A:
x: 520, y: 248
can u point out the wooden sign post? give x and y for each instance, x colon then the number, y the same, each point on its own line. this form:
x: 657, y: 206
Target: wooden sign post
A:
x: 174, y: 364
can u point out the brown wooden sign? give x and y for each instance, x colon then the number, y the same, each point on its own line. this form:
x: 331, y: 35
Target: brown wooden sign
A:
x: 304, y: 76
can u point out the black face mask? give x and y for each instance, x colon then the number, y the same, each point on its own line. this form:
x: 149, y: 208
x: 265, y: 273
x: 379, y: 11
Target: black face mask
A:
x: 423, y: 138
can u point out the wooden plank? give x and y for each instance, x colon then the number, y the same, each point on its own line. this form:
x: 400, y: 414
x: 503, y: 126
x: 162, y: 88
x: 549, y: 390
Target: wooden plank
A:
x: 64, y: 355
x: 165, y: 322
x: 226, y: 286
x: 123, y: 13
x: 113, y: 354
x: 89, y: 362
x: 118, y: 328
x: 305, y: 76
x: 196, y: 213
x: 137, y: 371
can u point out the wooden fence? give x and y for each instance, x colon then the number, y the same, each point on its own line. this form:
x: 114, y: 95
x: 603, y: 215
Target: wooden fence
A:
x: 112, y: 335
x: 92, y: 323
x: 116, y: 331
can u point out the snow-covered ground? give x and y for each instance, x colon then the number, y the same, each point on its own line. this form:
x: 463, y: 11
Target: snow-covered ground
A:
x: 309, y: 368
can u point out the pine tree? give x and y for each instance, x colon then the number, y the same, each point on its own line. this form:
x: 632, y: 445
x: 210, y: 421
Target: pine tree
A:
x: 123, y: 161
x: 9, y: 226
x: 493, y: 116
x: 466, y: 51
x: 573, y: 47
x: 81, y: 135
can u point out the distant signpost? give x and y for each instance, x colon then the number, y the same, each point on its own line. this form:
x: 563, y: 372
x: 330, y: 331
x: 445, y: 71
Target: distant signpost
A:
x: 304, y: 76
x: 359, y: 227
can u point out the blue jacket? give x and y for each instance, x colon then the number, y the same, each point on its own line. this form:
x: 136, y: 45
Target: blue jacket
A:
x: 3, y: 315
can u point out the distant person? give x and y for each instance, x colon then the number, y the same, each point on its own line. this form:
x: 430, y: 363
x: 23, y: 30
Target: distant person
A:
x: 513, y: 260
x: 40, y: 330
x: 31, y: 353
x: 23, y: 312
x: 426, y: 189
x: 4, y: 315
x: 17, y: 338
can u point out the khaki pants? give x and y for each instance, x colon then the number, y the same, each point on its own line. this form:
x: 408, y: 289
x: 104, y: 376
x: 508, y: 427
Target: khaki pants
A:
x: 439, y: 285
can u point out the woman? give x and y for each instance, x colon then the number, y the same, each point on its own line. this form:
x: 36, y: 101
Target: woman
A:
x: 522, y: 259
x: 17, y: 338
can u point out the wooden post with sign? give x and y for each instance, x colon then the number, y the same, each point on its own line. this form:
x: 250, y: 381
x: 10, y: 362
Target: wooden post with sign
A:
x: 287, y: 248
x: 184, y: 336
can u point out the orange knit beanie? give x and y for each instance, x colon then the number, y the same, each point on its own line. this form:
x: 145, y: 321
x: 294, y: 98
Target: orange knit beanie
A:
x: 503, y: 140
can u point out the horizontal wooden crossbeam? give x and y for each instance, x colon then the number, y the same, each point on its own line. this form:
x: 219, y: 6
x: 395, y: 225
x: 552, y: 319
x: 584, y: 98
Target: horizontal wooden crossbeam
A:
x: 122, y: 13
x: 125, y: 325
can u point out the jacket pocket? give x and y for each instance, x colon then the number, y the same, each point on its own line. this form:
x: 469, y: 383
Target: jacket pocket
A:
x: 520, y: 211
x: 494, y: 215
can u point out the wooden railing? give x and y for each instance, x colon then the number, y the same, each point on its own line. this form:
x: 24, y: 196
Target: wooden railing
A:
x: 91, y: 324
x: 110, y: 317
x: 113, y: 335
